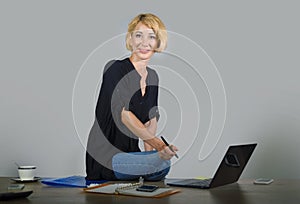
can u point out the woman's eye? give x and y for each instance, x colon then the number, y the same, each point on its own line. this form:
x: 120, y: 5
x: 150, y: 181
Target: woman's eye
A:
x: 153, y: 37
x: 138, y: 35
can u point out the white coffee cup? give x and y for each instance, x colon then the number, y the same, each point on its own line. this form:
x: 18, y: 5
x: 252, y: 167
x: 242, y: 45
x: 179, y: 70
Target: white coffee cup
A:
x: 26, y: 172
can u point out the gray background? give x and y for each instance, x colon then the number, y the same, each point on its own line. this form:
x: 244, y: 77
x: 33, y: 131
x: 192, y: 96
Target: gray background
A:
x: 254, y: 45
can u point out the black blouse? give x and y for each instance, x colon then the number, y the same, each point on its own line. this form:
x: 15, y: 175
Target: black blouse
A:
x: 120, y: 89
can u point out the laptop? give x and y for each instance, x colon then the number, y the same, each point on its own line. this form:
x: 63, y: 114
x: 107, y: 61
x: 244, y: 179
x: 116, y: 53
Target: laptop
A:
x: 229, y: 170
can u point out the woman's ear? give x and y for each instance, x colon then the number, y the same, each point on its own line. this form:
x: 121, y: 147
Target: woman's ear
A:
x: 130, y: 40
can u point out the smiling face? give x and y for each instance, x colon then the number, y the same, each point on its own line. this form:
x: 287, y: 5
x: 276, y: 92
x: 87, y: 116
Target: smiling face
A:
x: 143, y: 41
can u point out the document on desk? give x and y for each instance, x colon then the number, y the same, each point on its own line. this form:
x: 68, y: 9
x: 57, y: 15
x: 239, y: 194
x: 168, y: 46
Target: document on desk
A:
x: 71, y: 181
x: 129, y: 190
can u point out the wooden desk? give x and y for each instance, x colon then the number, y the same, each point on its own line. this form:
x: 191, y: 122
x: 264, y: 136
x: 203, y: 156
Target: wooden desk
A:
x: 280, y: 191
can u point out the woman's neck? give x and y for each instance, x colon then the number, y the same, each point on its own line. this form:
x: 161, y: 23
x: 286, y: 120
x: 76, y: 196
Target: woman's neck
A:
x: 139, y: 65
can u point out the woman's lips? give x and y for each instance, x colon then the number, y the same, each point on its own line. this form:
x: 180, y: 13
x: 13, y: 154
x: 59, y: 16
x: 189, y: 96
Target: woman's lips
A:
x: 144, y: 51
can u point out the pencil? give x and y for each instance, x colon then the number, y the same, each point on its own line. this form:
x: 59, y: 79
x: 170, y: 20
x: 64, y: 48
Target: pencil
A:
x: 166, y: 143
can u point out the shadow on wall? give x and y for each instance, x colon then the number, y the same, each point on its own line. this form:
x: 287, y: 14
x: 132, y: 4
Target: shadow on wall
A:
x: 279, y: 142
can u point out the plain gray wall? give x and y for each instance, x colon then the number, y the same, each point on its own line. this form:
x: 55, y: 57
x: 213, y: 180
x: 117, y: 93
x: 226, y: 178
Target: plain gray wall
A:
x: 53, y: 52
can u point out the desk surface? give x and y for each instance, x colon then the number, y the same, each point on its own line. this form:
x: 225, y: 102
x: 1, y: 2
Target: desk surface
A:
x: 280, y: 191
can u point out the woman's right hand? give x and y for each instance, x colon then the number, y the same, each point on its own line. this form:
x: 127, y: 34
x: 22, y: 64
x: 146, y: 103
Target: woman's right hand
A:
x: 166, y: 153
x: 163, y: 150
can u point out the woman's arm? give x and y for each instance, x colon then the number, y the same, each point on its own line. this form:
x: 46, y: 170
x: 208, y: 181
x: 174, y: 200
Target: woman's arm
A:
x: 151, y: 126
x: 139, y: 129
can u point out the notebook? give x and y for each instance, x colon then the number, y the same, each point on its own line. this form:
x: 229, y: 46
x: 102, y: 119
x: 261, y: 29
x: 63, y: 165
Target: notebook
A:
x: 129, y: 189
x: 229, y: 170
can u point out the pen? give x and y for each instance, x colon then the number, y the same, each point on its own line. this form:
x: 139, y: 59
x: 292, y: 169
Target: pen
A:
x: 166, y: 143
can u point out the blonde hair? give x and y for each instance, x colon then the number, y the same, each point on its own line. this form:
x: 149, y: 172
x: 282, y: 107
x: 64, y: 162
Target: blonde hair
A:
x: 153, y: 22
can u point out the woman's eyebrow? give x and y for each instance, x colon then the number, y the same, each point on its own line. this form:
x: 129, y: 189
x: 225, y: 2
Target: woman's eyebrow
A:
x: 148, y: 31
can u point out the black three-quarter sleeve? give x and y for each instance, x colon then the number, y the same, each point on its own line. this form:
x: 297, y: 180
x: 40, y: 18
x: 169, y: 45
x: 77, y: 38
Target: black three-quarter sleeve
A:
x: 114, y: 92
x: 153, y: 83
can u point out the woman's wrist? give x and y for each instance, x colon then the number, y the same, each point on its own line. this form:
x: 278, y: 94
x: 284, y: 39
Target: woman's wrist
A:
x: 156, y: 143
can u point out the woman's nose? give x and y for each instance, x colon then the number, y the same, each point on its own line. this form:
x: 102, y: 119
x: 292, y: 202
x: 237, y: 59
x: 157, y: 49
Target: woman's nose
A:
x: 145, y: 40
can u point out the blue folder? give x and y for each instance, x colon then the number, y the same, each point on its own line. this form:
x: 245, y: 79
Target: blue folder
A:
x: 71, y: 181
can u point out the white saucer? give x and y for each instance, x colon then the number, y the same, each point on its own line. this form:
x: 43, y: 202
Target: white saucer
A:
x: 32, y: 180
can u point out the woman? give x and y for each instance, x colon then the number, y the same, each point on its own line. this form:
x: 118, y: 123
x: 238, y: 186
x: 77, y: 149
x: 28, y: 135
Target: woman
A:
x: 127, y: 110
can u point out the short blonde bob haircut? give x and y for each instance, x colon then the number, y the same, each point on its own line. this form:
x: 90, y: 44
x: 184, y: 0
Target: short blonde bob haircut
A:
x: 153, y: 22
